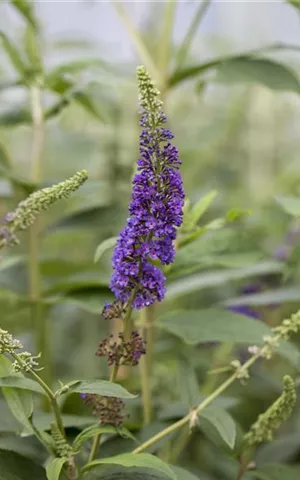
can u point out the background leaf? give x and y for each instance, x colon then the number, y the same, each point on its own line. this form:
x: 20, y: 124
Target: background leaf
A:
x: 144, y: 460
x: 17, y: 467
x: 100, y: 387
x: 54, y: 468
x: 221, y: 422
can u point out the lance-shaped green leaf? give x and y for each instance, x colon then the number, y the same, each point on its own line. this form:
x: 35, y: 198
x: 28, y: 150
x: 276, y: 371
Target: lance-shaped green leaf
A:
x: 54, y: 468
x: 17, y: 467
x: 215, y: 420
x: 144, y: 460
x: 244, y: 67
x: 98, y: 387
x: 103, y: 247
x: 13, y: 54
x: 93, y: 430
x: 26, y: 10
x: 21, y: 383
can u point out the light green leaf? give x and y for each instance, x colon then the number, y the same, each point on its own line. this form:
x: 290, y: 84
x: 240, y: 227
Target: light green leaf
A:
x: 144, y: 460
x: 221, y: 422
x: 202, y: 206
x: 31, y: 44
x: 26, y: 9
x: 290, y: 205
x: 13, y: 54
x: 217, y: 325
x: 99, y: 387
x: 87, y: 103
x: 103, y: 247
x: 20, y: 402
x: 16, y: 467
x: 54, y: 468
x: 22, y: 383
x: 93, y: 430
x: 269, y: 73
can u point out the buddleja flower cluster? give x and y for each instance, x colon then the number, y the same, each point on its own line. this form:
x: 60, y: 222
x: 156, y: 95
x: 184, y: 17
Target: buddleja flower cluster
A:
x: 269, y: 421
x: 26, y: 361
x: 107, y: 409
x: 155, y: 209
x: 27, y: 211
x: 122, y: 352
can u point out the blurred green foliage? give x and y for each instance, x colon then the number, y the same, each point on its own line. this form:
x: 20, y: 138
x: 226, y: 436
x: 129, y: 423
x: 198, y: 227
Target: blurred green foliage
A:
x: 235, y: 122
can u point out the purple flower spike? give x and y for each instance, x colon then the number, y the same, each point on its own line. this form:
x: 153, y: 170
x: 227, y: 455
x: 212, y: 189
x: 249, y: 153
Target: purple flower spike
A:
x: 155, y: 209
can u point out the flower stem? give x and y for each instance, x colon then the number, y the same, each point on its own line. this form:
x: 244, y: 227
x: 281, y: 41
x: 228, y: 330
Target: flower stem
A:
x: 114, y: 372
x: 147, y: 315
x: 207, y: 401
x: 50, y: 394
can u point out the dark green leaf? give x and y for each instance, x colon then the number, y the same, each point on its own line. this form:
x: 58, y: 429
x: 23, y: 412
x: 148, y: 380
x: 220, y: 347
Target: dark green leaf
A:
x: 15, y: 117
x: 16, y: 467
x: 13, y: 54
x: 221, y: 422
x: 270, y: 297
x: 294, y: 3
x: 100, y: 387
x: 244, y: 67
x: 275, y: 472
x: 42, y: 420
x: 21, y: 383
x: 282, y: 449
x: 212, y: 325
x: 86, y: 101
x: 54, y: 468
x: 183, y: 474
x: 26, y: 9
x: 194, y: 283
x: 57, y: 108
x: 103, y: 247
x: 144, y: 460
x: 264, y: 71
x: 93, y: 430
x: 216, y: 325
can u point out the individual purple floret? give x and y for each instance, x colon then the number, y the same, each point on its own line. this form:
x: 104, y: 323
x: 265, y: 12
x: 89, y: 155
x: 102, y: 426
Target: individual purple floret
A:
x: 155, y: 209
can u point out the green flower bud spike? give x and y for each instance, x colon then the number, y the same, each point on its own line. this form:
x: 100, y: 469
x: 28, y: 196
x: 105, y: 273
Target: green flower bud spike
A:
x: 269, y: 421
x: 27, y: 210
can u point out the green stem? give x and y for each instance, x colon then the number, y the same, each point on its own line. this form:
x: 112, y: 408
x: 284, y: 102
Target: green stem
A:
x: 207, y: 401
x: 38, y: 318
x: 114, y: 373
x: 146, y: 361
x: 50, y: 394
x: 138, y: 42
x: 180, y: 444
x: 166, y: 37
x: 186, y: 44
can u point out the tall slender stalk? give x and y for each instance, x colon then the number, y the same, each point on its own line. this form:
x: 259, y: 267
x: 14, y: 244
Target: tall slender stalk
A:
x: 38, y: 319
x: 166, y: 37
x: 207, y: 401
x: 147, y: 316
